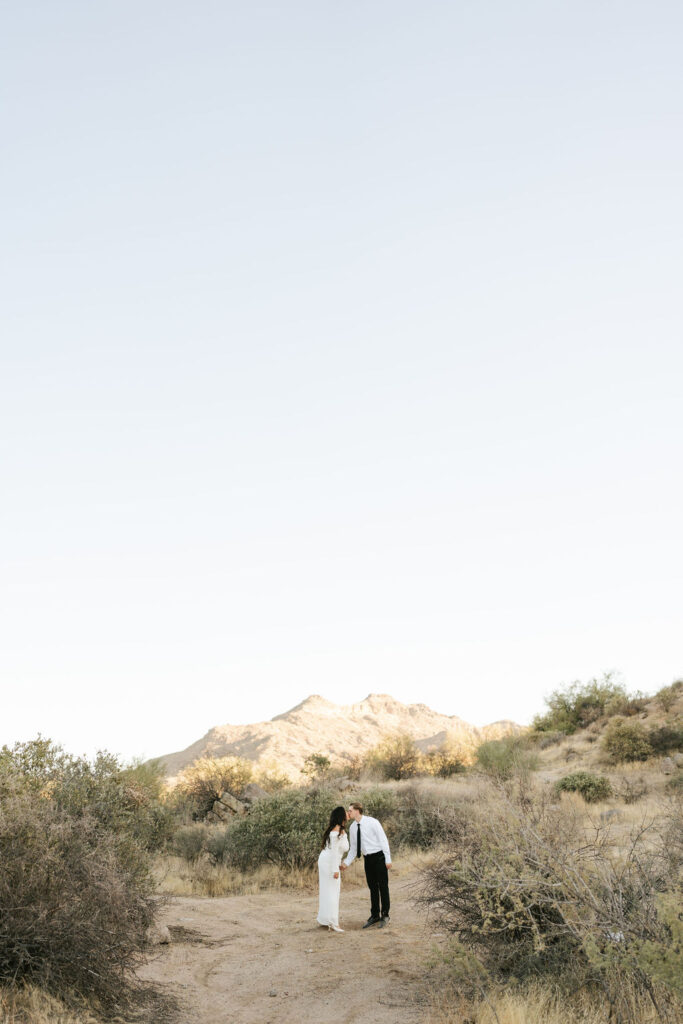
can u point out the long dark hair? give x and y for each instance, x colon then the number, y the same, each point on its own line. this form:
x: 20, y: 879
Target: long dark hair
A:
x: 338, y: 817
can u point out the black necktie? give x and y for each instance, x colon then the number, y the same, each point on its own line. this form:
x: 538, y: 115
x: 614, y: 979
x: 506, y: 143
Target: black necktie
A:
x: 358, y: 853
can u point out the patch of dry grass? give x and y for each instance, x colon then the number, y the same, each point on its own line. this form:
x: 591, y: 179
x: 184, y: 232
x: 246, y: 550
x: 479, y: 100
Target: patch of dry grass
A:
x: 176, y: 877
x: 534, y: 1005
x: 31, y: 1005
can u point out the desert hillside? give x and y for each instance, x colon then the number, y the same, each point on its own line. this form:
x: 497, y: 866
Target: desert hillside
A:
x: 318, y: 725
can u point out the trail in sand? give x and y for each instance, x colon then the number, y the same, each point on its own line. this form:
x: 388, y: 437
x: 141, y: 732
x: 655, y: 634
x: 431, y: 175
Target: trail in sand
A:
x: 260, y: 959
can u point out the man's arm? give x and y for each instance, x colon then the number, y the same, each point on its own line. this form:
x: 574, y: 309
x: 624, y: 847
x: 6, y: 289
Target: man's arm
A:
x: 385, y: 845
x: 351, y: 855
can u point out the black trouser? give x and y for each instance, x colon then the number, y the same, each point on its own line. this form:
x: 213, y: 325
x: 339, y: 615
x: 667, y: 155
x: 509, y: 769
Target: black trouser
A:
x: 377, y: 877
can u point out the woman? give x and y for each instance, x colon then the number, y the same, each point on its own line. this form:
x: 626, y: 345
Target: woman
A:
x: 335, y: 845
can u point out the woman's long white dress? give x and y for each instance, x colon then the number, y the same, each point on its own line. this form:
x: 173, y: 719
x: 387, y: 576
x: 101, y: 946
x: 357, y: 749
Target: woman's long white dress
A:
x: 330, y: 887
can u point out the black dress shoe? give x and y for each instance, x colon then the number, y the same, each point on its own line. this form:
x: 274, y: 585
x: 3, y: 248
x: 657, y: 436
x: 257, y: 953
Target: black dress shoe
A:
x: 382, y: 922
x: 385, y: 918
x: 372, y: 920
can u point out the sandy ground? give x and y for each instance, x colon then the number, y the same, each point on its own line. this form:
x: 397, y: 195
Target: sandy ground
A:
x: 262, y: 959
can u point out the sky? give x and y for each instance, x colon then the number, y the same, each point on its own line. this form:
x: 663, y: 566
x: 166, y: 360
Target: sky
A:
x: 341, y: 353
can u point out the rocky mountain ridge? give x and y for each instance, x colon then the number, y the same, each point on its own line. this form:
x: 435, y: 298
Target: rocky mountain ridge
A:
x: 317, y: 725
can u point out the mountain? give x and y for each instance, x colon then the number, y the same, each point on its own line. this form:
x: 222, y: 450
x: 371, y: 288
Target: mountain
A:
x: 319, y: 726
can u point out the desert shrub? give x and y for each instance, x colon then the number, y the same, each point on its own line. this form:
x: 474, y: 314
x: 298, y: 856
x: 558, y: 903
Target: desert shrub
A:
x: 592, y: 788
x: 202, y: 782
x: 76, y: 898
x: 122, y: 798
x: 189, y: 842
x: 534, y: 891
x: 675, y: 783
x: 630, y: 790
x: 421, y: 818
x: 285, y: 829
x: 381, y: 802
x: 396, y: 757
x: 37, y: 762
x: 626, y: 705
x: 663, y: 959
x: 271, y: 777
x: 578, y: 705
x: 544, y: 740
x: 350, y: 766
x: 216, y: 843
x: 316, y: 767
x: 626, y: 741
x: 443, y: 763
x: 506, y: 757
x: 668, y: 695
x: 665, y: 738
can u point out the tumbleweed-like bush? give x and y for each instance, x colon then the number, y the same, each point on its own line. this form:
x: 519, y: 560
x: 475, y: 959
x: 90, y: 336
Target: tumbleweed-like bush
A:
x: 76, y: 900
x: 538, y: 891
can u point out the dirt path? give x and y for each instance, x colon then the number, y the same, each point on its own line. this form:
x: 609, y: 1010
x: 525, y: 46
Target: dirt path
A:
x: 262, y: 959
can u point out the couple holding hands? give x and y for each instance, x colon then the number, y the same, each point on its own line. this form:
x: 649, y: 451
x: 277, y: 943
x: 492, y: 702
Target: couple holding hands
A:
x: 365, y: 838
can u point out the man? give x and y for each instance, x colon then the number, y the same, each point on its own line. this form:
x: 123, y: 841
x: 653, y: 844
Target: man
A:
x: 367, y: 838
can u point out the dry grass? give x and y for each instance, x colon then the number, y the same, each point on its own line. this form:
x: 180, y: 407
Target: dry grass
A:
x: 177, y: 877
x: 31, y: 1005
x: 535, y: 1005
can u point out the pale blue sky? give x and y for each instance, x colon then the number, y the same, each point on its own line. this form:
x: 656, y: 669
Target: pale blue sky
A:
x: 341, y: 353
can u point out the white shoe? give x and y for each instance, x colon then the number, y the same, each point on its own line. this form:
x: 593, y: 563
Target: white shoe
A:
x: 335, y: 928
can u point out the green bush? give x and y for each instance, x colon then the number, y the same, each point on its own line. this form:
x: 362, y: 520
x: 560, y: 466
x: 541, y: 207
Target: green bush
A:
x: 381, y: 802
x: 216, y: 843
x: 626, y: 741
x: 592, y: 788
x: 443, y: 763
x: 271, y: 777
x: 662, y: 958
x: 665, y: 738
x: 506, y: 757
x: 668, y: 695
x: 316, y: 766
x: 285, y: 829
x: 126, y: 799
x: 37, y: 762
x: 626, y: 705
x: 579, y: 704
x: 189, y: 842
x: 395, y: 758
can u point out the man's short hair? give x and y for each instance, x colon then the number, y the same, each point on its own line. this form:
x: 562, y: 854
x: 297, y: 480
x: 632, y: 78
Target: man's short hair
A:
x: 357, y: 807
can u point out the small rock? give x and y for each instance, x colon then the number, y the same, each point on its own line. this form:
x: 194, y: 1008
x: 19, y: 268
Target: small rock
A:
x: 272, y: 992
x: 667, y: 766
x: 158, y: 935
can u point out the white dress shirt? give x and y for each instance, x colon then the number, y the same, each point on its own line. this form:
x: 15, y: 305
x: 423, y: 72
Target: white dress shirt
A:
x: 372, y: 839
